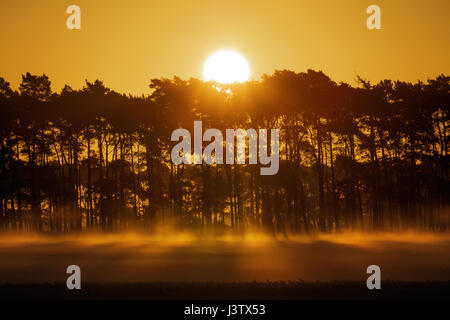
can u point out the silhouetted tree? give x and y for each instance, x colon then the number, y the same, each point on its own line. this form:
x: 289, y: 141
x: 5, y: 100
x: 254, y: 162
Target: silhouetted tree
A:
x: 373, y: 156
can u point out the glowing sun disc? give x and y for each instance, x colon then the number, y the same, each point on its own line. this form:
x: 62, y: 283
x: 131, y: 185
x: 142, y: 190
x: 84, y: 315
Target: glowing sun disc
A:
x: 226, y: 66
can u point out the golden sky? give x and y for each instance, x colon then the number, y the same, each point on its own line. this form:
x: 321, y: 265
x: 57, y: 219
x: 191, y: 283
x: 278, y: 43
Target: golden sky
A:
x: 126, y: 43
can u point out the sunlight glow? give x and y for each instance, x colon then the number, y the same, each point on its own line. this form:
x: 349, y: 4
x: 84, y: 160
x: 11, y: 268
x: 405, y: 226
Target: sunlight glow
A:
x: 226, y: 66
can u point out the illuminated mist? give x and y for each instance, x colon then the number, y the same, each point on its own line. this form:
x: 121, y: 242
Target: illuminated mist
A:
x: 135, y: 257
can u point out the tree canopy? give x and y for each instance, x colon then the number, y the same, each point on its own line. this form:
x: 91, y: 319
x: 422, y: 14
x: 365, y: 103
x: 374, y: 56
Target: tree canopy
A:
x: 372, y: 157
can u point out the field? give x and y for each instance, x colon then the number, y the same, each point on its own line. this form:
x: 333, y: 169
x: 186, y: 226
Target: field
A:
x: 123, y: 266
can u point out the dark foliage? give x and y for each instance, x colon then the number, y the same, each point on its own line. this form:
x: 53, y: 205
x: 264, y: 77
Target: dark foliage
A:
x: 367, y: 157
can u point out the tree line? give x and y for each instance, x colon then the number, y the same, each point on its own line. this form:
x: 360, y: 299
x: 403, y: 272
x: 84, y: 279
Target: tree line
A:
x: 366, y: 157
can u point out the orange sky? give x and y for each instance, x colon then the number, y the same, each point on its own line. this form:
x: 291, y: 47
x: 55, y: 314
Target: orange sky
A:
x: 126, y: 43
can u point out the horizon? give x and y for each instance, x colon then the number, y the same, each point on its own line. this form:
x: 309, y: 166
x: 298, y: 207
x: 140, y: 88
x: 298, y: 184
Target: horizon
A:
x: 356, y: 84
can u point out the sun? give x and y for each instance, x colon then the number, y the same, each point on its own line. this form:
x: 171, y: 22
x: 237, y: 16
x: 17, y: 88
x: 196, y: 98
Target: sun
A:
x: 226, y: 66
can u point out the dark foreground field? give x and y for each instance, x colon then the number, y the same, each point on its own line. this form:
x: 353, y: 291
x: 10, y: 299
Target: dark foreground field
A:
x: 133, y: 266
x: 292, y: 290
